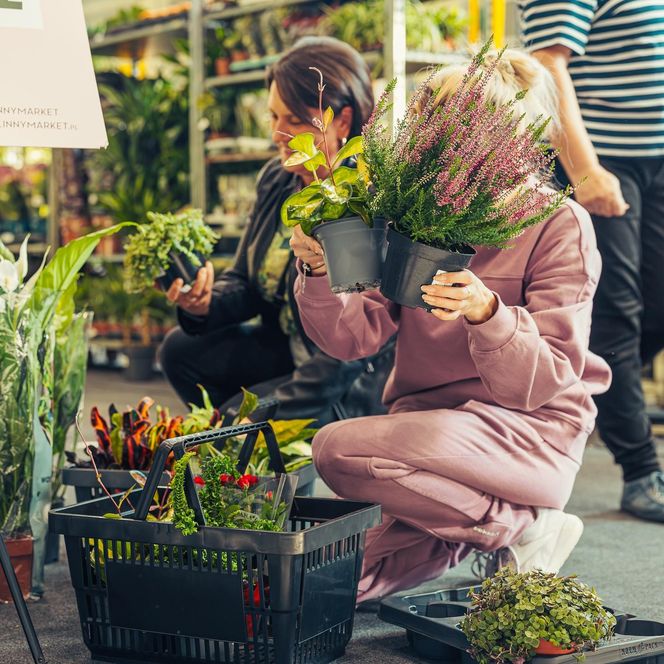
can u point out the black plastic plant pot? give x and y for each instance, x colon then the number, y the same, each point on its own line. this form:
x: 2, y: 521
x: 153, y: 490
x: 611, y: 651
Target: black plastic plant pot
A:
x: 180, y: 267
x: 354, y: 253
x: 410, y: 265
x: 147, y: 593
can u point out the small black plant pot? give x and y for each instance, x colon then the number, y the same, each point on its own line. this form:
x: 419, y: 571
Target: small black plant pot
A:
x: 354, y: 253
x: 410, y: 265
x: 180, y: 267
x: 141, y: 361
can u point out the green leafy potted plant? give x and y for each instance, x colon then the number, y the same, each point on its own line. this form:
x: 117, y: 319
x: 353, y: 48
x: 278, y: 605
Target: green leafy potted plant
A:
x: 167, y: 247
x: 334, y: 209
x: 32, y: 315
x: 515, y: 616
x: 447, y: 184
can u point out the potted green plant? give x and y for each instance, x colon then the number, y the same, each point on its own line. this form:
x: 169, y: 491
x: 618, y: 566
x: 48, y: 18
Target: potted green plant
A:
x: 334, y: 209
x: 447, y: 184
x: 166, y: 248
x: 515, y: 616
x: 32, y: 315
x: 219, y: 52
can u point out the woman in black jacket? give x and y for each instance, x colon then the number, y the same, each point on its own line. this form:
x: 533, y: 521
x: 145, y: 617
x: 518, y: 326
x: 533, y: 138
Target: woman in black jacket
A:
x: 243, y: 329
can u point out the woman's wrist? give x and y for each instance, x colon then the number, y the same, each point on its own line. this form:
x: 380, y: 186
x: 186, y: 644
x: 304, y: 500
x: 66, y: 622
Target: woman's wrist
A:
x: 311, y: 271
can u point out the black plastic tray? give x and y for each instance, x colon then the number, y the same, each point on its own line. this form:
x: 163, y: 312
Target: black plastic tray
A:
x: 432, y: 619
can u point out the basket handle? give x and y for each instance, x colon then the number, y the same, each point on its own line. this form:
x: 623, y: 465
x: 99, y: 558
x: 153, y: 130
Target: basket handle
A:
x: 265, y: 410
x: 182, y: 444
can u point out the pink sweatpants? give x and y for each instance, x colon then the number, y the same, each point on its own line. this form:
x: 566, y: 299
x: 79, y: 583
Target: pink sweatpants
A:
x: 449, y: 481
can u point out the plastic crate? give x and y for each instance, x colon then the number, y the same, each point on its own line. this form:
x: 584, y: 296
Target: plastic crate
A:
x: 432, y: 619
x: 165, y: 597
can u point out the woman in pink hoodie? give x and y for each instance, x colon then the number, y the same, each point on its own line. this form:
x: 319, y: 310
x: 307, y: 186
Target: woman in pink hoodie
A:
x: 490, y: 398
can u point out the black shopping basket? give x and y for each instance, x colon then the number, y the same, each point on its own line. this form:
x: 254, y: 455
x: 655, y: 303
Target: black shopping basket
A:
x: 147, y: 593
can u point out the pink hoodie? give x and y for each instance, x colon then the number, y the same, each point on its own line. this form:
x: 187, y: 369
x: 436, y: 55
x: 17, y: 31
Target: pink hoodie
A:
x: 531, y: 357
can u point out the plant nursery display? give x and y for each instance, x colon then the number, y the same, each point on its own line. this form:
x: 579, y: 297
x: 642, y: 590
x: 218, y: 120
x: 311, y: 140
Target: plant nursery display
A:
x: 335, y: 209
x: 167, y: 247
x: 34, y: 314
x: 458, y: 173
x: 514, y: 616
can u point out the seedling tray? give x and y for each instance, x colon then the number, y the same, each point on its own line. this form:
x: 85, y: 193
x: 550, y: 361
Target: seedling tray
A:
x: 431, y: 621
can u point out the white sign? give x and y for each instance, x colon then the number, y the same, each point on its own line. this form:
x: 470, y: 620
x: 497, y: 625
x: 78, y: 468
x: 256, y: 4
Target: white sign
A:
x: 48, y: 91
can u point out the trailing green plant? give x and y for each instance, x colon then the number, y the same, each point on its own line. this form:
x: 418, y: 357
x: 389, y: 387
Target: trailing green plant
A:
x: 512, y: 612
x: 461, y: 171
x: 148, y: 250
x: 184, y: 518
x: 342, y: 193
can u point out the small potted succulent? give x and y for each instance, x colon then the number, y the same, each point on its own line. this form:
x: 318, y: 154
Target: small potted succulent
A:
x: 515, y: 616
x: 166, y: 248
x: 446, y: 184
x: 334, y: 209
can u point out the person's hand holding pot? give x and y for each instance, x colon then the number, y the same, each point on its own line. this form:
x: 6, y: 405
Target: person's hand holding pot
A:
x: 308, y: 251
x: 195, y: 301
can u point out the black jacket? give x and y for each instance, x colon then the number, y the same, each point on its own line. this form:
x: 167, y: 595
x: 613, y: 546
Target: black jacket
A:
x: 321, y: 383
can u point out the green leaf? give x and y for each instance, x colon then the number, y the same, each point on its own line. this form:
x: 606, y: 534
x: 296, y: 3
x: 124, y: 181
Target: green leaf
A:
x: 340, y: 193
x: 249, y: 404
x: 354, y: 147
x: 315, y: 162
x: 346, y: 175
x: 328, y: 116
x: 304, y: 143
x: 299, y: 448
x: 62, y: 269
x: 300, y: 205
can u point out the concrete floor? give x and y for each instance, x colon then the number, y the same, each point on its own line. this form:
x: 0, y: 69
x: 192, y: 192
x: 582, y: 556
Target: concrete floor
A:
x: 621, y: 556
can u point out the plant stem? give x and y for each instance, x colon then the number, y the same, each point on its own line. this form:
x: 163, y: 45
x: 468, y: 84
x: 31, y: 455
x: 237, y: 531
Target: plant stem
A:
x: 94, y: 465
x: 321, y: 114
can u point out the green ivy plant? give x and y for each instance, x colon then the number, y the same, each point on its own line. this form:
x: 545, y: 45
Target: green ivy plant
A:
x: 513, y: 611
x: 342, y: 193
x: 148, y: 250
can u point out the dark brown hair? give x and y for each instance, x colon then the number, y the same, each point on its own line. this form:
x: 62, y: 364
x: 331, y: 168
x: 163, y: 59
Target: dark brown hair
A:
x: 346, y: 75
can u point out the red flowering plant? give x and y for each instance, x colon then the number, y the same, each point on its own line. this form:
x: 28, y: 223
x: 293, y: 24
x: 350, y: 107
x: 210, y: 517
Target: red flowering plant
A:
x: 230, y: 499
x: 460, y: 171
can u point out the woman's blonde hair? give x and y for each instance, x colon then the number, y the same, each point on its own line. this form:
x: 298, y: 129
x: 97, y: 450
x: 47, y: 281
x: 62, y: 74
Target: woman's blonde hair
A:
x: 514, y: 72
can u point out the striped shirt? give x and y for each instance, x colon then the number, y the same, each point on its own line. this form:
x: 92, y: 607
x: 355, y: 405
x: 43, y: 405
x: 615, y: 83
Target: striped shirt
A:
x: 617, y: 66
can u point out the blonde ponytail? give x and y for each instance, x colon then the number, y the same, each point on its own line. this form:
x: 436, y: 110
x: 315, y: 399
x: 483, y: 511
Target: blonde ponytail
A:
x: 515, y: 71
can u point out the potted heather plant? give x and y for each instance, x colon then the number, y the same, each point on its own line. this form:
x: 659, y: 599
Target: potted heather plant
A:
x: 515, y: 616
x: 334, y: 209
x: 167, y: 247
x: 457, y: 174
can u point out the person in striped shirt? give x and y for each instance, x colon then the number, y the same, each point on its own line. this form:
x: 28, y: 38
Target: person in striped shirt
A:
x: 607, y: 58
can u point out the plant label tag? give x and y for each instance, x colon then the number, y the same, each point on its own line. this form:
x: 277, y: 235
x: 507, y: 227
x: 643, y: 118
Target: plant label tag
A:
x: 48, y: 96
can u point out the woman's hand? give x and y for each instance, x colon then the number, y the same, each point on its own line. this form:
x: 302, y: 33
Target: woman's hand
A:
x: 197, y: 300
x: 308, y: 251
x: 456, y: 294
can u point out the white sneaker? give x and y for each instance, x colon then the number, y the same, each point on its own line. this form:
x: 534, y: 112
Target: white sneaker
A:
x: 546, y: 544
